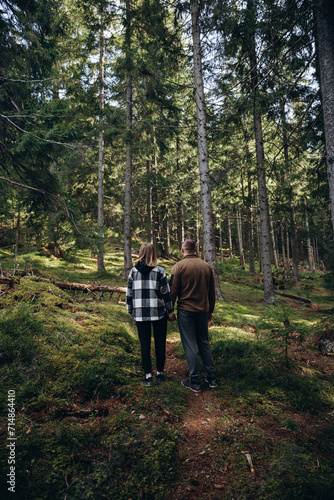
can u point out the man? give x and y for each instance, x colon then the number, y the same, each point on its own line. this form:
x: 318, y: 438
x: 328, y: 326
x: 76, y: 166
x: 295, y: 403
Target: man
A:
x: 192, y: 283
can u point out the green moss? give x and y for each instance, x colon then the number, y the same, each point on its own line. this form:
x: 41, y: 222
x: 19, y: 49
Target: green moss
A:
x: 87, y: 428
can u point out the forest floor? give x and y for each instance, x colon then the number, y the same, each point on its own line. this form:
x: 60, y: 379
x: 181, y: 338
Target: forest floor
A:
x: 212, y: 417
x: 86, y: 427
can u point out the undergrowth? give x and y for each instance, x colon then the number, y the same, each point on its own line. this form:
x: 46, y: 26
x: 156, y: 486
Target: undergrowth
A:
x: 87, y: 429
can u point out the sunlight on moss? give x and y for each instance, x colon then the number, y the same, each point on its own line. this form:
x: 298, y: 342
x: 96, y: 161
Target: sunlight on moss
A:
x: 309, y: 371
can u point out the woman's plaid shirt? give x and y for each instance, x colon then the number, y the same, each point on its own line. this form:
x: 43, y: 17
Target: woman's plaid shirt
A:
x: 147, y: 295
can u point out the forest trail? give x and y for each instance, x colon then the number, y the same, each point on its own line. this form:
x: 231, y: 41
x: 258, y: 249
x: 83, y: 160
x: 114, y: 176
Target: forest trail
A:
x: 213, y: 428
x: 202, y: 475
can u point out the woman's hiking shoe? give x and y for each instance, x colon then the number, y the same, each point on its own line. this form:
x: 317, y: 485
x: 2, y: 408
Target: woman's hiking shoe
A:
x: 160, y: 378
x: 190, y: 385
x: 212, y: 382
x: 148, y: 382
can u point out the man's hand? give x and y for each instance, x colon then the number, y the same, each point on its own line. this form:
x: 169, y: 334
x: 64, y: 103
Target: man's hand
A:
x: 209, y: 317
x: 172, y: 317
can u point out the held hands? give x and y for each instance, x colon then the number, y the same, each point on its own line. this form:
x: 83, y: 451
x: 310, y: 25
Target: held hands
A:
x: 172, y: 317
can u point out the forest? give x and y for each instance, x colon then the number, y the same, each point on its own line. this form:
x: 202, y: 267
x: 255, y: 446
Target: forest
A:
x: 132, y: 121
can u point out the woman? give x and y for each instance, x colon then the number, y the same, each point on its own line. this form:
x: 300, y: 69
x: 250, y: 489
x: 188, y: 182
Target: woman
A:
x: 149, y: 302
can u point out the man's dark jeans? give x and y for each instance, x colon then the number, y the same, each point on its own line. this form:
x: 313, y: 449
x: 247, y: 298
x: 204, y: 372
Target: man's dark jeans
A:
x: 159, y: 332
x: 194, y: 333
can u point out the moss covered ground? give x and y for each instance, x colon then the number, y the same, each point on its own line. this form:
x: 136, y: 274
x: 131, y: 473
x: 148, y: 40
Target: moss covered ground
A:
x: 86, y: 428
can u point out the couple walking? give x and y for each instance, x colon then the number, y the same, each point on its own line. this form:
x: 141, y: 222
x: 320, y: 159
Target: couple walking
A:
x: 150, y: 301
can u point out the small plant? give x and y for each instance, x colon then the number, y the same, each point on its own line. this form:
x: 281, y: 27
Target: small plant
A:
x: 285, y: 332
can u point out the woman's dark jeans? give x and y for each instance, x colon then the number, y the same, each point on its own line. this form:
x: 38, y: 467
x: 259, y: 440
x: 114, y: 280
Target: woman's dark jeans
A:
x: 160, y: 333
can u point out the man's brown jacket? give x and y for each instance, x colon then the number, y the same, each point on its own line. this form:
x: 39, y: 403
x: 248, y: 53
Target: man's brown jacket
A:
x: 192, y: 283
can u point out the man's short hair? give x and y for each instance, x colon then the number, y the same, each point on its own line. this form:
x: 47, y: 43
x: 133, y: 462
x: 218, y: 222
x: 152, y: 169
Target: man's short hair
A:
x: 189, y: 246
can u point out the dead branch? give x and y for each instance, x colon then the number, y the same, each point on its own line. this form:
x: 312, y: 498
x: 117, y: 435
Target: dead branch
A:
x: 296, y: 297
x: 8, y: 281
x: 89, y: 288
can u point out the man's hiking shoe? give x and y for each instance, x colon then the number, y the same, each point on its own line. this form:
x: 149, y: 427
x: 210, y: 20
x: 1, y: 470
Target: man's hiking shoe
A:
x: 160, y: 378
x: 212, y: 382
x: 148, y: 382
x: 190, y: 385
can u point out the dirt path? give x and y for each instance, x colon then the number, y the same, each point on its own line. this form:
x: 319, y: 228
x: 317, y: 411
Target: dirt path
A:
x: 214, y: 435
x: 203, y: 475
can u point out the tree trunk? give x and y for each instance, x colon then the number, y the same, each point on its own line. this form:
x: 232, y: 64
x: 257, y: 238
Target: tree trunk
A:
x: 128, y: 167
x: 250, y: 222
x: 293, y: 230
x: 167, y: 232
x: 294, y: 241
x: 283, y: 246
x: 198, y: 230
x: 100, y: 205
x: 155, y: 200
x: 316, y: 250
x: 203, y: 154
x: 221, y: 240
x: 252, y: 269
x: 273, y: 240
x: 325, y: 38
x: 269, y: 292
x: 240, y: 239
x: 229, y: 234
x: 309, y: 246
x: 17, y: 232
x: 258, y: 241
x: 149, y: 202
x: 288, y: 249
x: 180, y: 208
x: 180, y: 225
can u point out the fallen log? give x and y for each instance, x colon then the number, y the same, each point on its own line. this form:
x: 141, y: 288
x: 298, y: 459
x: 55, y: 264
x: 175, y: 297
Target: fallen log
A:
x: 65, y: 285
x: 296, y: 297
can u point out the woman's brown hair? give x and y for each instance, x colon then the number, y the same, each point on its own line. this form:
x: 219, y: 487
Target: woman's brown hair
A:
x: 148, y: 254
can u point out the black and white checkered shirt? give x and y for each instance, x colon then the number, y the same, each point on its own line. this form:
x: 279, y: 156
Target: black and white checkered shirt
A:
x: 147, y: 295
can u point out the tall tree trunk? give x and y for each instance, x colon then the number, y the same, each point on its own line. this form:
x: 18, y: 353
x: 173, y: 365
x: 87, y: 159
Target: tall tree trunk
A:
x: 221, y: 240
x: 155, y: 200
x: 293, y: 229
x: 100, y: 204
x: 249, y: 207
x: 252, y: 269
x: 17, y: 231
x: 128, y: 167
x: 283, y: 246
x: 325, y: 38
x: 180, y: 225
x: 259, y: 242
x: 309, y: 246
x: 229, y: 229
x: 293, y: 236
x: 149, y: 201
x: 180, y: 208
x: 315, y: 244
x: 269, y: 292
x: 167, y: 232
x: 240, y: 239
x: 273, y: 240
x: 203, y: 154
x: 198, y: 229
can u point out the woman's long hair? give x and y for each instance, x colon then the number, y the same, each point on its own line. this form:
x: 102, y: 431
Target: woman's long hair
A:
x: 148, y: 254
